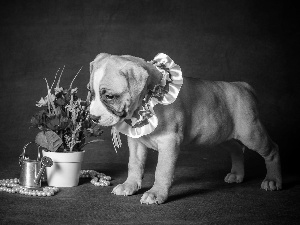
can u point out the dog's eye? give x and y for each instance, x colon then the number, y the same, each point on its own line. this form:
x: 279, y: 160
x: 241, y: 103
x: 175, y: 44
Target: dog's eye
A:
x: 106, y: 96
x: 109, y: 97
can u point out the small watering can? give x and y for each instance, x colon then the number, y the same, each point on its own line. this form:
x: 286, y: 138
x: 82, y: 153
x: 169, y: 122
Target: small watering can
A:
x: 32, y: 170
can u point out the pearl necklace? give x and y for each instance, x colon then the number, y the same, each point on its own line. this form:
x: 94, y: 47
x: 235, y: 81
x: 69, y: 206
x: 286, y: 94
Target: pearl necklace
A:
x: 98, y: 179
x: 13, y: 186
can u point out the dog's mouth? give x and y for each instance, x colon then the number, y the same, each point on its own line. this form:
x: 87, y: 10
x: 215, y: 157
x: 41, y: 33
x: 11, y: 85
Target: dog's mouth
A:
x: 110, y: 121
x: 115, y: 116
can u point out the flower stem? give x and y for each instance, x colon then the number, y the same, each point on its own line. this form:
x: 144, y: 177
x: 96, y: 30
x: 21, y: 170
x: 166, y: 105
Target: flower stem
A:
x: 49, y: 108
x: 57, y: 84
x: 75, y: 78
x: 54, y: 79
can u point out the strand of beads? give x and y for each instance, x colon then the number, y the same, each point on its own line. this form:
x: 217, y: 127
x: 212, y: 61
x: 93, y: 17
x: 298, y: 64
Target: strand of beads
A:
x: 13, y: 186
x: 98, y: 179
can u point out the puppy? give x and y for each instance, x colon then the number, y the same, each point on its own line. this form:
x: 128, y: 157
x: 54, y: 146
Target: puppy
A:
x: 124, y: 91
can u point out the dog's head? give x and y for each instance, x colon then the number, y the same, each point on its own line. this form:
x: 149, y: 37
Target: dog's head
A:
x: 117, y: 86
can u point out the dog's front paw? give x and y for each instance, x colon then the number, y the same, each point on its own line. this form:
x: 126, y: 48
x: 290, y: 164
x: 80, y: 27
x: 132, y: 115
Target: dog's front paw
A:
x: 271, y: 184
x: 154, y: 197
x: 234, y: 178
x: 127, y: 188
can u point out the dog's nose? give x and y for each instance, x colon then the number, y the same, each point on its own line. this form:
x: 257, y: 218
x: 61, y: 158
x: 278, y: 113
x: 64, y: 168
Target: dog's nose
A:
x: 95, y: 118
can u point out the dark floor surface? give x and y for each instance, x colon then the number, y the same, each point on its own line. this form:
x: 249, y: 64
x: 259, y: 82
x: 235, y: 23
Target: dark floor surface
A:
x: 199, y: 194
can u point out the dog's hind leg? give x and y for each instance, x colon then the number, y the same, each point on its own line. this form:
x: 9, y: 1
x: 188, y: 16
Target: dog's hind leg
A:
x: 237, y: 173
x: 255, y: 137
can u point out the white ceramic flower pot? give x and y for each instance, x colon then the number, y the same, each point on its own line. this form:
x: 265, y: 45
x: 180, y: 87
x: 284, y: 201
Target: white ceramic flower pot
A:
x: 65, y: 170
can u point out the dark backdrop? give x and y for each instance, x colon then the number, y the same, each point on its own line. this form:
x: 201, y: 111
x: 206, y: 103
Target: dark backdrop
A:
x: 253, y: 41
x: 231, y: 40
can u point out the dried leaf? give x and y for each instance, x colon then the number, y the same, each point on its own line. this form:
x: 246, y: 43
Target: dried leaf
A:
x: 49, y: 140
x: 54, y: 141
x: 41, y: 140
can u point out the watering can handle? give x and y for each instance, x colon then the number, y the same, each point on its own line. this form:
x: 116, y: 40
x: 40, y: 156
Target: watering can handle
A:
x: 39, y: 154
x: 22, y: 156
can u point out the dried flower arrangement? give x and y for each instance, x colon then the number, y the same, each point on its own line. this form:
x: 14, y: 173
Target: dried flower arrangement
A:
x: 64, y: 122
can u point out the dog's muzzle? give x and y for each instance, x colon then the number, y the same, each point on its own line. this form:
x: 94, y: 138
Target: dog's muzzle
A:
x: 96, y: 119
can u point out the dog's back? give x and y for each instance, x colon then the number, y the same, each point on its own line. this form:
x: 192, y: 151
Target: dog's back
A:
x: 215, y: 109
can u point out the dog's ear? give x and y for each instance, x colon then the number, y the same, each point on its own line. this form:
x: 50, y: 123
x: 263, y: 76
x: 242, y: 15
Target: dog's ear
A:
x: 141, y: 75
x: 137, y: 77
